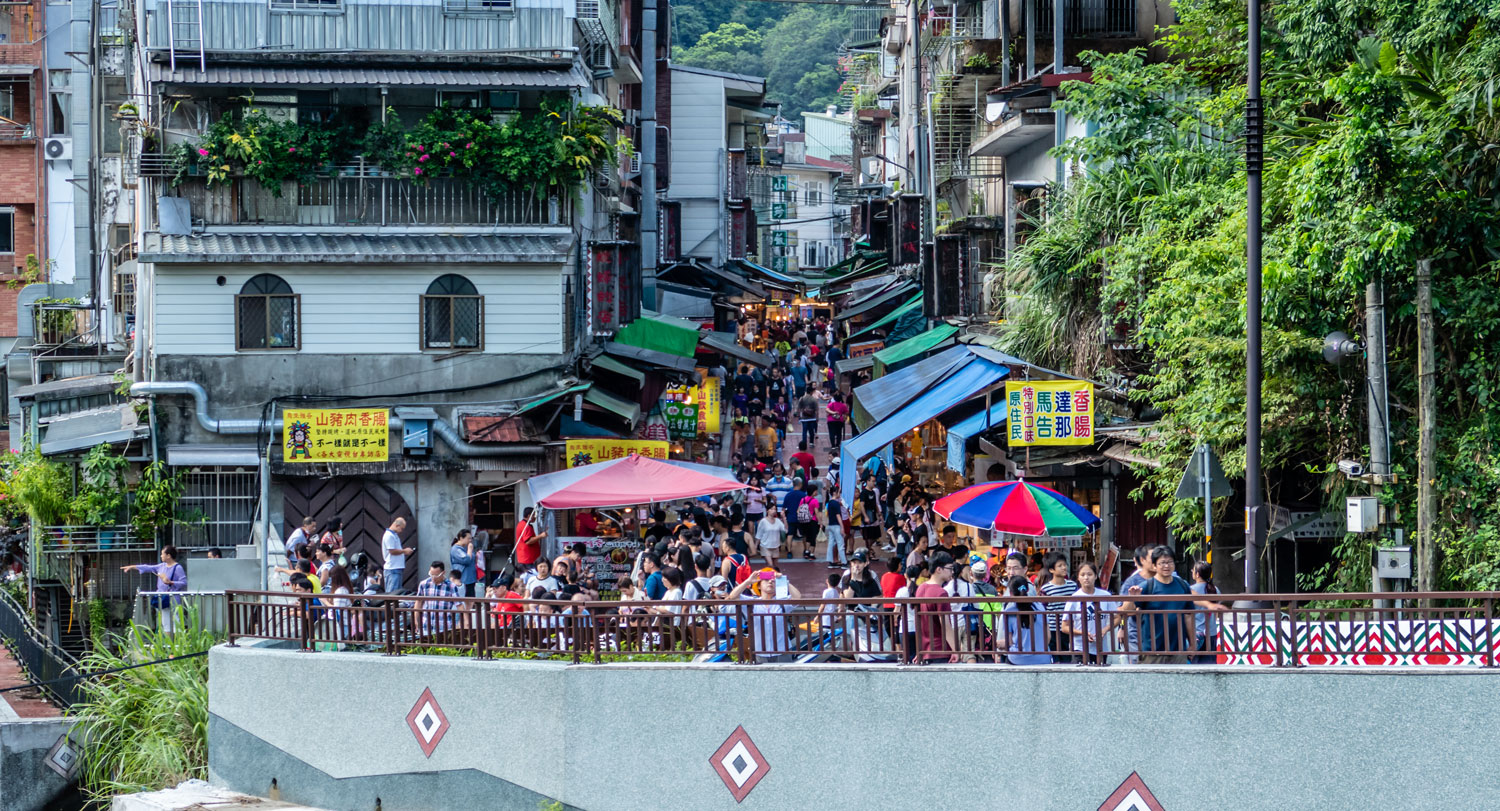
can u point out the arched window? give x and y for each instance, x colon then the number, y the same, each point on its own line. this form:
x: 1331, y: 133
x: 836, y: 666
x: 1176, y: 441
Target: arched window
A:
x: 452, y: 314
x: 266, y: 313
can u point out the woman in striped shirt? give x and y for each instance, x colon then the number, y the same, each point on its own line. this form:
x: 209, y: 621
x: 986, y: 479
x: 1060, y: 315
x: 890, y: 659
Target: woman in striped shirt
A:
x: 1055, y: 583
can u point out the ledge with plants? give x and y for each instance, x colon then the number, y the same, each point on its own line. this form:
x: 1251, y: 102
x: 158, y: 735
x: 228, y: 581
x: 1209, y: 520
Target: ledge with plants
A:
x: 554, y: 147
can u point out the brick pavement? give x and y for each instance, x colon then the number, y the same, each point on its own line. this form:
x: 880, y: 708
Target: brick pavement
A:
x: 26, y: 703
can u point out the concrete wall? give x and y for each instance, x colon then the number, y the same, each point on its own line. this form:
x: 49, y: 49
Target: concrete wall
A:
x: 26, y: 782
x: 640, y: 736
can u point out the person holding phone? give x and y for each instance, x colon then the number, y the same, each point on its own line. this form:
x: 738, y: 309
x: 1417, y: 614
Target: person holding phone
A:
x: 769, y: 634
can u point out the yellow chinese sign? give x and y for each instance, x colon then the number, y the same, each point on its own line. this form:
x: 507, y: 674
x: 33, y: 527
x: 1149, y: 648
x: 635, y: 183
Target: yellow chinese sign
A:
x: 707, y: 397
x: 335, y: 435
x: 589, y: 451
x: 1051, y: 412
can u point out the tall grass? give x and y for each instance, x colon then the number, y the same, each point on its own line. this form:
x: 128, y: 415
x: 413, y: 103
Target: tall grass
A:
x: 147, y: 728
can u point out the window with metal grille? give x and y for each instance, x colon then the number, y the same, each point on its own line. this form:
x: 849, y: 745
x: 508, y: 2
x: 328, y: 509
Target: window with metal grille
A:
x: 452, y: 314
x: 477, y: 6
x: 217, y: 508
x: 265, y: 315
x: 306, y: 5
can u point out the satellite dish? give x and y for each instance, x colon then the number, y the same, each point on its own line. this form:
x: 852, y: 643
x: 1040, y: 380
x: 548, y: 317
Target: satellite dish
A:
x: 994, y: 109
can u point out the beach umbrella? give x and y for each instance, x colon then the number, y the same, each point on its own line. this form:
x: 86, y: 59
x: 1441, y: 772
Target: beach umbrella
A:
x: 1016, y: 507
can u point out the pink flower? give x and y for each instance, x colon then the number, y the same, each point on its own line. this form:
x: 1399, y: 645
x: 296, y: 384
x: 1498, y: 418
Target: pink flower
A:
x: 423, y: 159
x: 203, y: 152
x: 410, y: 154
x: 452, y: 154
x: 291, y: 149
x: 419, y: 170
x: 469, y: 145
x: 421, y: 148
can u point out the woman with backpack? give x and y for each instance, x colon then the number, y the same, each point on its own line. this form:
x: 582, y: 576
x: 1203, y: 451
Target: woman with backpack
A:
x: 736, y: 565
x: 808, y: 522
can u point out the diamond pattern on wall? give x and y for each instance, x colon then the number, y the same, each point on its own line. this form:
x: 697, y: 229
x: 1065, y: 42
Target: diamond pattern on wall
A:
x: 427, y: 722
x: 739, y: 764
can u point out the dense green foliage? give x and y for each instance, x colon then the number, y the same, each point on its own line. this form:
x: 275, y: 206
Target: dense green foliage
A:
x: 795, y: 47
x: 1384, y: 149
x: 146, y: 728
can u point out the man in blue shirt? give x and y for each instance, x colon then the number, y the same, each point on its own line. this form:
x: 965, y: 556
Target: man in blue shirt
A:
x: 651, y: 565
x: 1165, y: 631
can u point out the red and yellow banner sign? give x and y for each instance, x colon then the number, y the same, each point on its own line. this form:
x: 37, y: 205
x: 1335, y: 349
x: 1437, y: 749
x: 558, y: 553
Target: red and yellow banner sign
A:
x: 589, y: 451
x: 1050, y: 412
x: 335, y: 435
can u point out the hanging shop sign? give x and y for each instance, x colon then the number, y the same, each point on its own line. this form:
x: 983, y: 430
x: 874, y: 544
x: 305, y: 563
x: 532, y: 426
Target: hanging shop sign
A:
x: 588, y: 451
x: 864, y: 348
x: 1050, y: 412
x: 706, y: 396
x: 682, y: 419
x: 335, y: 435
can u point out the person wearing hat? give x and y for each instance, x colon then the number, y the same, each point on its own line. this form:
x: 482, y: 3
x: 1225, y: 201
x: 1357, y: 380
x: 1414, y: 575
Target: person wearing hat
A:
x: 768, y: 626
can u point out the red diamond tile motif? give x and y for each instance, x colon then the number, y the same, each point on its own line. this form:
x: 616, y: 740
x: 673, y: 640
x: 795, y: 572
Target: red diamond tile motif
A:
x: 739, y: 764
x: 1132, y: 795
x: 427, y: 722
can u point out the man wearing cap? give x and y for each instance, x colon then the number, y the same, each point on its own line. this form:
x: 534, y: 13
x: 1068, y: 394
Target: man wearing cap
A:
x: 859, y: 583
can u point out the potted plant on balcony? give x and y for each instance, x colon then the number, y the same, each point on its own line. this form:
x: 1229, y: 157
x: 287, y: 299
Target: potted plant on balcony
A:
x: 42, y: 489
x: 101, y: 492
x: 154, y: 505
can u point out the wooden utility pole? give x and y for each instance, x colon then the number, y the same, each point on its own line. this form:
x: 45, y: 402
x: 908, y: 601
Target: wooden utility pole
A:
x: 1426, y: 432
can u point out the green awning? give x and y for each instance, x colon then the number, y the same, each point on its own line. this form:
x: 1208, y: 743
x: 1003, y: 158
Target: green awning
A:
x: 627, y: 410
x: 914, y: 303
x: 660, y: 333
x: 890, y: 358
x: 609, y: 364
x: 547, y: 398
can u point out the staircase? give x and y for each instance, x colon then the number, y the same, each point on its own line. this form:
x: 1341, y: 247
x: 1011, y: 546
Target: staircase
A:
x: 52, y: 601
x: 185, y: 32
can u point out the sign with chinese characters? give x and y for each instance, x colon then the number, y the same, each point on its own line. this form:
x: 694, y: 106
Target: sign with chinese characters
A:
x: 862, y: 349
x: 778, y: 211
x: 1050, y: 412
x: 682, y: 419
x: 780, y: 183
x: 588, y: 451
x: 779, y: 239
x: 706, y: 396
x: 335, y: 435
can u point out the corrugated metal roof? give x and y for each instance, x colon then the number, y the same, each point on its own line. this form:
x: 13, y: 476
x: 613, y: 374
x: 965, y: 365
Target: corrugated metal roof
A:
x: 270, y: 75
x: 355, y: 248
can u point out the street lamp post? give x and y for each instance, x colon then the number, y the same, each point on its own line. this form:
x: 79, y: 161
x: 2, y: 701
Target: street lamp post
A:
x: 1255, y: 536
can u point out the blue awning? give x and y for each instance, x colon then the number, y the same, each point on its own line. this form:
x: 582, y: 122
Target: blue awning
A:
x: 878, y: 399
x: 972, y: 376
x: 768, y: 273
x: 958, y: 435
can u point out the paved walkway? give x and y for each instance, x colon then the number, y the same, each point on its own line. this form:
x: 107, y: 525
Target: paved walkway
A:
x: 24, y: 703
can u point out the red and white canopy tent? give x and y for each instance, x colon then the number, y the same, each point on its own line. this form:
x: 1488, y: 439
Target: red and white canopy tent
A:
x: 627, y: 482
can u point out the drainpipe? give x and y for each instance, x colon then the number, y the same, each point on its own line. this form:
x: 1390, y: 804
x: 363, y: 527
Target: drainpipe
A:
x: 447, y: 433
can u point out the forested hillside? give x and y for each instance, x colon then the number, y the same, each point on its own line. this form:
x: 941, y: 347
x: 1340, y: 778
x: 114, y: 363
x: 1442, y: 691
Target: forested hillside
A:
x: 794, y: 46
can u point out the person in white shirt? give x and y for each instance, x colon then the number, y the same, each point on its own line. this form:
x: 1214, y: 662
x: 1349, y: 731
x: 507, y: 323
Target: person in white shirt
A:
x: 909, y: 629
x: 1091, y: 628
x: 768, y: 535
x: 829, y: 615
x: 541, y: 577
x: 395, y: 555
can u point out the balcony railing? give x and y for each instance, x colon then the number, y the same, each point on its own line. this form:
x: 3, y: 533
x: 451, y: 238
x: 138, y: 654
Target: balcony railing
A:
x: 11, y: 131
x: 72, y: 540
x: 58, y: 325
x: 357, y: 199
x: 1091, y: 18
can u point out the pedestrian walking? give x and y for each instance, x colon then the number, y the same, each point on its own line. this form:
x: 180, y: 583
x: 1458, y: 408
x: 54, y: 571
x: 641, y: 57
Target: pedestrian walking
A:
x: 838, y: 412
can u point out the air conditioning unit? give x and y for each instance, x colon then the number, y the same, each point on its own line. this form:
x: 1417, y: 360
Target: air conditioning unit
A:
x: 58, y: 149
x: 895, y: 37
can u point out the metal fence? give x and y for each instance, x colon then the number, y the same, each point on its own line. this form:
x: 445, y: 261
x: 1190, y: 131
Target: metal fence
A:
x: 210, y: 607
x: 41, y: 660
x: 1096, y: 631
x: 1090, y: 18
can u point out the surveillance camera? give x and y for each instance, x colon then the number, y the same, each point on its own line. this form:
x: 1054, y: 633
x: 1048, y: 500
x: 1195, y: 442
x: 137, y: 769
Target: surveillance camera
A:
x: 1351, y: 468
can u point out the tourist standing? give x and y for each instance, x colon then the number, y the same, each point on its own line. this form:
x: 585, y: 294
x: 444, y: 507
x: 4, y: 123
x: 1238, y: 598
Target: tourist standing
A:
x: 171, y: 577
x: 462, y: 558
x: 395, y: 554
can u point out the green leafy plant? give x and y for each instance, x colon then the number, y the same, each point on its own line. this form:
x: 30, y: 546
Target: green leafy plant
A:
x: 146, y: 728
x: 98, y: 623
x: 101, y: 487
x: 40, y: 487
x: 268, y: 150
x: 979, y: 62
x: 31, y: 273
x: 155, y: 504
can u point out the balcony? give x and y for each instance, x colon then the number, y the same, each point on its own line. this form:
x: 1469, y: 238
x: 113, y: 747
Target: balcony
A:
x: 72, y: 540
x: 60, y: 324
x: 356, y: 197
x: 11, y: 131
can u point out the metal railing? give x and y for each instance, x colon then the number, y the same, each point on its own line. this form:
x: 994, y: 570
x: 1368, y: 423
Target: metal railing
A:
x: 211, y: 608
x: 1091, y: 18
x: 70, y: 540
x: 11, y: 131
x: 361, y: 199
x: 62, y: 324
x: 1096, y: 631
x: 41, y: 659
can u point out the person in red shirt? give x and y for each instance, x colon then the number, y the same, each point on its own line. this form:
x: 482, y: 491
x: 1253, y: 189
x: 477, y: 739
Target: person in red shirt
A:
x: 508, y: 608
x: 586, y: 524
x: 892, y: 581
x: 528, y: 541
x: 803, y: 458
x: 931, y: 616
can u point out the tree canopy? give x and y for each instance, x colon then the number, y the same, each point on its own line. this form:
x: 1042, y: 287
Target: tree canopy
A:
x: 794, y: 47
x: 1383, y: 149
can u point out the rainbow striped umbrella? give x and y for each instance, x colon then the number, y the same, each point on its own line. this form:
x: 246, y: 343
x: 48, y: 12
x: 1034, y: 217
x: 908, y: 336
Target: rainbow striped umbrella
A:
x: 1016, y: 507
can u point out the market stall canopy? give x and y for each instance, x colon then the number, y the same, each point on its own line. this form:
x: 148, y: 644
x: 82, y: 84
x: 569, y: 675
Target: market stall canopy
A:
x: 780, y: 279
x: 960, y: 432
x: 726, y: 343
x: 967, y: 375
x: 893, y: 357
x: 660, y: 333
x: 854, y: 364
x: 1018, y: 508
x: 685, y: 366
x: 684, y: 301
x: 881, y: 398
x: 629, y: 481
x: 609, y: 364
x: 877, y: 299
x: 701, y: 275
x: 913, y: 304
